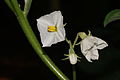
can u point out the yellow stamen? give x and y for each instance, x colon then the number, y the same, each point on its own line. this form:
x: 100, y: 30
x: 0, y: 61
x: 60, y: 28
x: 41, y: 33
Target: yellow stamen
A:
x: 52, y: 29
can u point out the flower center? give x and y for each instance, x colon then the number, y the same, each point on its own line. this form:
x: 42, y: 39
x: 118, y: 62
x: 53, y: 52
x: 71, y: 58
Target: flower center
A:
x: 52, y: 28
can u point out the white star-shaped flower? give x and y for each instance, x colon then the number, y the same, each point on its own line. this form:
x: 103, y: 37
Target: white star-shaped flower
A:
x: 90, y: 45
x: 51, y: 28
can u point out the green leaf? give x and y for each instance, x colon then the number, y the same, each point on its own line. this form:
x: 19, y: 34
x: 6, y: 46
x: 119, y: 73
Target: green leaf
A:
x: 112, y: 16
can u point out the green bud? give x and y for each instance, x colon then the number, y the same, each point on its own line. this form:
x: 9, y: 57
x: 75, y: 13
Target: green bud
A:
x: 82, y: 35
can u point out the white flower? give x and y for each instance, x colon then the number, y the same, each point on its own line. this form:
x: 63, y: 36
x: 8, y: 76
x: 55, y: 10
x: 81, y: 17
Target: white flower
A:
x: 51, y: 28
x: 90, y: 46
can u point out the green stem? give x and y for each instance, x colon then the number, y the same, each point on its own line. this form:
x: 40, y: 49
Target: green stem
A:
x: 74, y: 72
x: 8, y: 2
x: 75, y: 41
x: 27, y: 6
x: 34, y: 42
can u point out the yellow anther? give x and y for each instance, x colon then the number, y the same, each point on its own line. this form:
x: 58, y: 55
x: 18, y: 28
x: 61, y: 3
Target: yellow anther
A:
x: 52, y: 29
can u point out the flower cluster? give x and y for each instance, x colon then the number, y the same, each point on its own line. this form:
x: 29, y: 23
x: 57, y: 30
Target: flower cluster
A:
x: 52, y: 31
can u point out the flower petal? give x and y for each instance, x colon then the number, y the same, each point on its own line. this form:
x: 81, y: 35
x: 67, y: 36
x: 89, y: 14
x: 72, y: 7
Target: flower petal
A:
x: 100, y: 44
x: 92, y: 55
x: 58, y: 19
x: 48, y: 41
x: 87, y: 44
x: 61, y: 31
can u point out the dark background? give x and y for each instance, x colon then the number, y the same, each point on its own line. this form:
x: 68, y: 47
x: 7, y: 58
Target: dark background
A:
x: 18, y: 61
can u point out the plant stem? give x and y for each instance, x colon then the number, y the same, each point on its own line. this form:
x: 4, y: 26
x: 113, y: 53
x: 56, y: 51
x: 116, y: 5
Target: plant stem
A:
x: 74, y: 72
x: 8, y: 2
x: 75, y: 41
x: 34, y: 42
x: 27, y: 6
